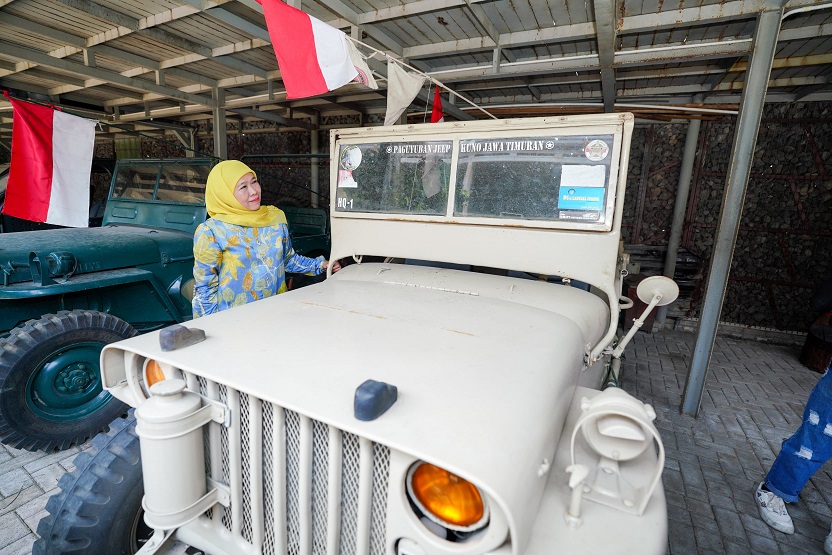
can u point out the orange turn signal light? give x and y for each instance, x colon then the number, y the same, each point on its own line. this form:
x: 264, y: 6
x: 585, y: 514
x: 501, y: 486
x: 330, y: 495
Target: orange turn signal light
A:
x: 153, y: 373
x: 447, y: 497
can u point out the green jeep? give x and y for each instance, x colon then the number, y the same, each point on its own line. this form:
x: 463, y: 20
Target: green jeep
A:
x: 65, y: 293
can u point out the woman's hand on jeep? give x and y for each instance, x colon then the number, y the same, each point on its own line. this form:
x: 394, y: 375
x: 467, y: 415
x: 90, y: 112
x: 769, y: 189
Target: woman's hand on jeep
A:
x: 335, y: 265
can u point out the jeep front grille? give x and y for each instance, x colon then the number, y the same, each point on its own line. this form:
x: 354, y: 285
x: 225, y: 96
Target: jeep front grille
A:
x: 298, y: 486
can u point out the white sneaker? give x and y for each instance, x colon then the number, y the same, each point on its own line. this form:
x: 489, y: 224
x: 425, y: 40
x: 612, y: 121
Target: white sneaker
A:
x: 773, y: 512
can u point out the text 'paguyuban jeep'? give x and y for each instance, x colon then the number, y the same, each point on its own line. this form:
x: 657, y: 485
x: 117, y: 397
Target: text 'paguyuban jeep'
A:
x: 446, y: 399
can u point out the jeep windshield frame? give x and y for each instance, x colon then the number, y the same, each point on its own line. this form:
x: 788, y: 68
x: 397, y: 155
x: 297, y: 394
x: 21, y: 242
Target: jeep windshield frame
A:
x: 384, y: 221
x: 158, y: 193
x: 170, y: 181
x: 549, y: 179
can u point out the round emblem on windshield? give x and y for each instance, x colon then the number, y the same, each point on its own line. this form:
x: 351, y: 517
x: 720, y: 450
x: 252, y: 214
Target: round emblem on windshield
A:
x: 550, y: 145
x: 596, y: 150
x: 350, y: 158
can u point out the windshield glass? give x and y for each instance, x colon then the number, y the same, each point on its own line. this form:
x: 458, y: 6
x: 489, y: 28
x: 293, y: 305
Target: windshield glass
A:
x: 535, y: 178
x: 136, y: 182
x: 181, y: 183
x: 394, y: 178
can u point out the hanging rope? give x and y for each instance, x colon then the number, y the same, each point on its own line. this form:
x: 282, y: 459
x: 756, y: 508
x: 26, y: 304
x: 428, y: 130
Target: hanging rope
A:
x: 426, y: 76
x: 425, y: 117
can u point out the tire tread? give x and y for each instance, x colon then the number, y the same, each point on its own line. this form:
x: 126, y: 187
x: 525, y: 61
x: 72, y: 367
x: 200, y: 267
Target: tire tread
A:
x: 76, y: 523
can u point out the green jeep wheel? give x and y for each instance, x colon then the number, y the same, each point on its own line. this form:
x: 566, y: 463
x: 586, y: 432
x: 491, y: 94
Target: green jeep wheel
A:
x: 98, y: 509
x: 50, y: 380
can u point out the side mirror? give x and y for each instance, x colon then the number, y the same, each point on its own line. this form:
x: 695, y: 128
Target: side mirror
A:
x: 655, y: 291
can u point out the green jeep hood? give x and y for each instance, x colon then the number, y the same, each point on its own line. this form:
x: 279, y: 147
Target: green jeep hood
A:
x: 95, y: 249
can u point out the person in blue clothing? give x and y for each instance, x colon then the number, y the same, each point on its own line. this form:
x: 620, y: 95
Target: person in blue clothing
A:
x: 243, y: 251
x: 800, y: 457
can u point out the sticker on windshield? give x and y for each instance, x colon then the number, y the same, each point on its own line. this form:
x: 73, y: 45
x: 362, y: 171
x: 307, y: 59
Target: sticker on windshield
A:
x: 351, y: 158
x: 514, y: 145
x: 579, y: 216
x: 583, y: 176
x: 596, y: 150
x: 581, y: 198
x: 346, y: 180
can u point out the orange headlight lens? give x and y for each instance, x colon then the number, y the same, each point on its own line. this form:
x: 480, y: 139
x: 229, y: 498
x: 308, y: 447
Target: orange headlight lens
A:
x: 153, y: 373
x: 447, y: 497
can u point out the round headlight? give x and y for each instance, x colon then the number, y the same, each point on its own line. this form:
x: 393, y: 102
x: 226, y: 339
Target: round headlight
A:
x: 446, y: 499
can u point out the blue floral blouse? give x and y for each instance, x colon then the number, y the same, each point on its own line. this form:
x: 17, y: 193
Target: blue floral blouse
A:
x: 234, y: 265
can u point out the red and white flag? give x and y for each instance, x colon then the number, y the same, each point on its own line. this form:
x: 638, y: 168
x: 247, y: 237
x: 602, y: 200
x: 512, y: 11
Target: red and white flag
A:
x: 314, y: 58
x: 436, y: 114
x: 49, y: 177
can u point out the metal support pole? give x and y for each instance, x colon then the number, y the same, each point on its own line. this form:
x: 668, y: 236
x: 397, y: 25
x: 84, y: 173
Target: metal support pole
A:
x: 191, y: 152
x: 314, y: 185
x: 188, y: 140
x: 742, y: 154
x: 680, y: 206
x: 220, y: 137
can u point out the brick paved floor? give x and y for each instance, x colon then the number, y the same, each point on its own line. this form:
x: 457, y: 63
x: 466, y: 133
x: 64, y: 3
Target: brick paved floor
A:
x: 27, y: 480
x: 754, y: 399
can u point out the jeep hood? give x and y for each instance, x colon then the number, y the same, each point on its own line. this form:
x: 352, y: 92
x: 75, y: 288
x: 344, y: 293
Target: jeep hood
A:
x: 485, y: 373
x: 95, y: 249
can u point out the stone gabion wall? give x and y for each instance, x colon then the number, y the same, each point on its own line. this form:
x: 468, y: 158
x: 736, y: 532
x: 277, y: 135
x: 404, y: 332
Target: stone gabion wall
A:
x: 783, y: 249
x: 652, y: 178
x: 167, y: 148
x: 285, y: 181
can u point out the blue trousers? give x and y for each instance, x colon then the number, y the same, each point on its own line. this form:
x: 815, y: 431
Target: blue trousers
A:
x: 810, y: 446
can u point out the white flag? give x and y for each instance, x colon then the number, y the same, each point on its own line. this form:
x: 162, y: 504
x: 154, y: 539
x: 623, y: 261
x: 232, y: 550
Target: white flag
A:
x: 365, y: 76
x: 402, y: 88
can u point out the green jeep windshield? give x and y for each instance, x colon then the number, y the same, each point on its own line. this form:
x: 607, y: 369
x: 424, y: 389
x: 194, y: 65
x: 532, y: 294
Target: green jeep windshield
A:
x: 394, y: 178
x: 181, y: 183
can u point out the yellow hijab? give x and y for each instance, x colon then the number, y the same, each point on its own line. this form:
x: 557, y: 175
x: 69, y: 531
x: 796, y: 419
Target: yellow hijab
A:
x: 223, y: 206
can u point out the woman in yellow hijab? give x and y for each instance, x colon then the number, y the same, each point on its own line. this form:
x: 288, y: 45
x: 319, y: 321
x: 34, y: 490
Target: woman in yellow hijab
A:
x: 243, y: 251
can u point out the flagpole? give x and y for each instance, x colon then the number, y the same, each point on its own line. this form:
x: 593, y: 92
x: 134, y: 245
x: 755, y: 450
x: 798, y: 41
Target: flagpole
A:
x: 437, y: 82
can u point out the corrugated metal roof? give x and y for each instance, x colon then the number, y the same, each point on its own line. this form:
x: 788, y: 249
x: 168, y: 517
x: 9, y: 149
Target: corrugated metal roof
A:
x: 137, y: 59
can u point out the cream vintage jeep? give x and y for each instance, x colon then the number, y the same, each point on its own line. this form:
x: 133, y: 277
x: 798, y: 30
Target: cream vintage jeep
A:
x: 444, y: 401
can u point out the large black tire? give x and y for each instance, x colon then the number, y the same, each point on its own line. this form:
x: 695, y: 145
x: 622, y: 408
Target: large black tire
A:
x: 50, y: 380
x: 99, y: 508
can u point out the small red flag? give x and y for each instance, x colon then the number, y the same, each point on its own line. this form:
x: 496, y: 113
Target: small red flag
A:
x: 436, y: 114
